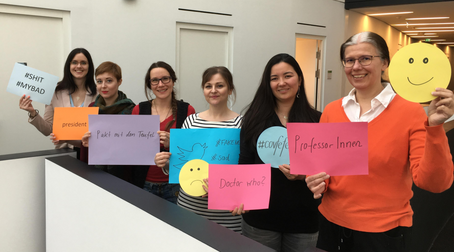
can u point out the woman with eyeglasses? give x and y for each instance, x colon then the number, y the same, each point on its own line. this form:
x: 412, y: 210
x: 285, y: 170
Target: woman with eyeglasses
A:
x: 372, y: 212
x: 160, y: 80
x: 76, y: 89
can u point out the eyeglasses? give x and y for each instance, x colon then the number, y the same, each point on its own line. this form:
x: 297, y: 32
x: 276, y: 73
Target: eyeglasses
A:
x: 164, y: 80
x: 363, y: 60
x: 75, y: 63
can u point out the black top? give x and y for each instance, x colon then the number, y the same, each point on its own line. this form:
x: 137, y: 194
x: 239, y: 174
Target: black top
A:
x: 292, y: 207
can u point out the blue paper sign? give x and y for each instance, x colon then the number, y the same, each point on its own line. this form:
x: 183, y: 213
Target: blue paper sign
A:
x: 40, y: 86
x: 215, y: 146
x: 272, y: 146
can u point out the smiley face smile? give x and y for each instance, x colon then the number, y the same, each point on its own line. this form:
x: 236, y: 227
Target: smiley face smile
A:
x: 408, y: 78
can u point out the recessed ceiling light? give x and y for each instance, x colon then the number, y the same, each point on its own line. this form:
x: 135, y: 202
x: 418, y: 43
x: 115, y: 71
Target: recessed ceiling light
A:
x: 390, y: 13
x: 424, y: 36
x: 427, y: 18
x: 446, y: 43
x: 417, y: 24
x: 430, y: 31
x: 425, y: 28
x: 412, y: 34
x: 438, y: 40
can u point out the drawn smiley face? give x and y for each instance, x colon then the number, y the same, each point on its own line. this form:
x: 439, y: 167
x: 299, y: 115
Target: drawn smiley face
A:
x: 417, y: 69
x: 192, y: 175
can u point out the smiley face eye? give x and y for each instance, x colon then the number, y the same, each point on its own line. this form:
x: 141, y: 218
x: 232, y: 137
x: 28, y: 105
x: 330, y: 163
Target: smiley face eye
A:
x: 191, y: 169
x: 198, y: 169
x: 425, y: 60
x: 411, y: 60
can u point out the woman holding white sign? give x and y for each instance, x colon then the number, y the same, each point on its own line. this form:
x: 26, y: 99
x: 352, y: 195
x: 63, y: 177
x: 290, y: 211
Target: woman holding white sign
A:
x: 160, y: 80
x: 77, y: 89
x: 291, y: 221
x: 372, y: 212
x: 217, y: 85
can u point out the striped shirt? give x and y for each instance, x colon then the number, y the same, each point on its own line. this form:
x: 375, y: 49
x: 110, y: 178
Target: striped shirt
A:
x: 199, y: 205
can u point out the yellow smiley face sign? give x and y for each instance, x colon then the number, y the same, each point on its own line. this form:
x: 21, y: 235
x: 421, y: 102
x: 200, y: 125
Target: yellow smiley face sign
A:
x: 192, y: 175
x: 417, y: 69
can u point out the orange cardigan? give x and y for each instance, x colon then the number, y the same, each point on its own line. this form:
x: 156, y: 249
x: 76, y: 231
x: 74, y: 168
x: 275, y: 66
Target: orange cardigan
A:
x: 402, y: 149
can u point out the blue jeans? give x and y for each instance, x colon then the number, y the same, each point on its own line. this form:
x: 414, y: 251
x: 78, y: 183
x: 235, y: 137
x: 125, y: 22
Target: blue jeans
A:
x: 164, y: 190
x: 284, y: 242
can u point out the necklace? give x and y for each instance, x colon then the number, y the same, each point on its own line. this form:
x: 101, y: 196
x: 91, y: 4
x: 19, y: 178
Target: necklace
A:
x: 77, y: 96
x: 157, y: 112
x: 285, y: 117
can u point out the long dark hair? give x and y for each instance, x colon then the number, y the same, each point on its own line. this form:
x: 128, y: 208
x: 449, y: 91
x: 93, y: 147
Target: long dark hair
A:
x: 263, y: 106
x: 368, y: 37
x: 68, y: 82
x: 162, y: 64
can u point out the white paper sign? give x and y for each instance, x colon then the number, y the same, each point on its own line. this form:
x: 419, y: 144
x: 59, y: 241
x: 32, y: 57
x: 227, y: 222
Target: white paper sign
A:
x: 40, y: 86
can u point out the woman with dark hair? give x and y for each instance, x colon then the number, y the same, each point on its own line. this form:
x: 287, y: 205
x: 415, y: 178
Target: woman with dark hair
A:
x: 217, y: 86
x: 160, y: 80
x: 77, y: 89
x: 291, y: 221
x: 372, y: 212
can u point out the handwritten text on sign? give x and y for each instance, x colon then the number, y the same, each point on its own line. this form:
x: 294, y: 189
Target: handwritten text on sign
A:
x: 40, y: 86
x: 71, y: 123
x: 232, y: 185
x: 272, y: 146
x: 215, y: 146
x: 123, y: 139
x: 335, y: 148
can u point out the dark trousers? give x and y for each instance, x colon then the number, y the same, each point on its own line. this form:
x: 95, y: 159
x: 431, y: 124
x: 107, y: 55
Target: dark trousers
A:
x: 333, y: 237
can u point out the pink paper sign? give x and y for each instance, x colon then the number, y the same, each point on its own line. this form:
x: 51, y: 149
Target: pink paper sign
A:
x: 233, y: 185
x: 335, y: 148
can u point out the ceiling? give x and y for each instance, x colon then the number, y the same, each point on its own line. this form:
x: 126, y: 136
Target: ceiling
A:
x: 434, y: 9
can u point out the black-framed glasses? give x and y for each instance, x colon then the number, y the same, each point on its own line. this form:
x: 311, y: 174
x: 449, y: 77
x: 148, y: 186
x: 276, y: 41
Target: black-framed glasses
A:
x: 364, y: 60
x: 164, y: 80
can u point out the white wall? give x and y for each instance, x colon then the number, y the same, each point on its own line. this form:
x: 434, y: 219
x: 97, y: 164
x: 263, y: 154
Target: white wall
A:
x: 136, y: 33
x: 22, y: 211
x: 40, y: 38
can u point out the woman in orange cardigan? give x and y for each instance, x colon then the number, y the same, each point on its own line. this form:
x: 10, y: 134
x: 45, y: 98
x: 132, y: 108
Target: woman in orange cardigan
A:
x: 372, y: 212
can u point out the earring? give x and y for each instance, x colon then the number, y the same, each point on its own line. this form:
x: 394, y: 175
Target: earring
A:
x: 298, y: 93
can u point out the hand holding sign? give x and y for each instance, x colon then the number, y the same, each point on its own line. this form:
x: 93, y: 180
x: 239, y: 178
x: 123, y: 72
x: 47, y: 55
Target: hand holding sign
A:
x: 25, y: 103
x: 442, y: 108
